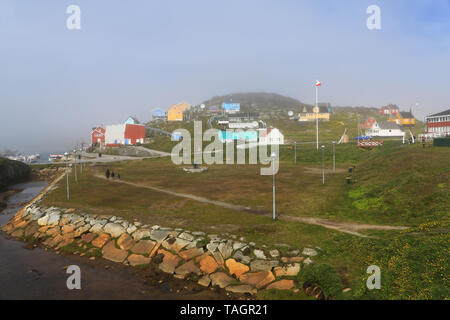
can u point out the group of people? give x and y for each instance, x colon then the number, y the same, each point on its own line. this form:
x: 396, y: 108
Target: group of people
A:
x: 111, y: 174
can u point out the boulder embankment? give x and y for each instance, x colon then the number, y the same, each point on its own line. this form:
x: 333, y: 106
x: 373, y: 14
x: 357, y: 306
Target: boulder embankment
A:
x: 12, y: 172
x: 210, y: 260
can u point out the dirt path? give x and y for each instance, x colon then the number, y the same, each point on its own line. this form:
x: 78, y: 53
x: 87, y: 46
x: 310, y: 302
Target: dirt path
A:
x: 182, y: 195
x: 347, y: 227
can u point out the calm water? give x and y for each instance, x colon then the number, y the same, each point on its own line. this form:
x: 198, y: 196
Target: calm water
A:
x: 39, y: 274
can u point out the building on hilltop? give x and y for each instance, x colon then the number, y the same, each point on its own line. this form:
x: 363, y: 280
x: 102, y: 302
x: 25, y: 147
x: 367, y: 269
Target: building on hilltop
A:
x: 132, y: 120
x: 159, y: 114
x: 390, y: 109
x: 439, y: 124
x: 214, y: 109
x: 231, y: 107
x: 307, y: 113
x: 243, y: 117
x: 326, y: 105
x: 176, y: 112
x: 403, y: 118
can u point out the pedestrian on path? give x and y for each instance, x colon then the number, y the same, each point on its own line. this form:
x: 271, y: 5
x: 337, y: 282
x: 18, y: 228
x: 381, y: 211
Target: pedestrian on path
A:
x: 107, y: 173
x: 112, y: 175
x: 118, y: 176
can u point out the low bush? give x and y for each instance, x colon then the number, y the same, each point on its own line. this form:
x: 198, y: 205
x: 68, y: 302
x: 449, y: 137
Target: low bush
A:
x: 324, y: 276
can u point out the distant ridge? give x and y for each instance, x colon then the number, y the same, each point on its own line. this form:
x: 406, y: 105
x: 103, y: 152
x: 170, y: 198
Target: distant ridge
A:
x: 257, y: 101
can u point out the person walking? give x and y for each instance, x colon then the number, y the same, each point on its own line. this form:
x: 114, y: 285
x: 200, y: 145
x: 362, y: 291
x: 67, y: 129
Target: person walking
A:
x: 118, y: 176
x: 107, y: 173
x: 112, y: 174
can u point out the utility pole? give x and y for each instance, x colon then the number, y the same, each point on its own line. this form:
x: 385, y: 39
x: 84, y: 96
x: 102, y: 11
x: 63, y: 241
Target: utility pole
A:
x: 273, y: 156
x: 295, y: 152
x: 67, y: 174
x: 323, y: 165
x: 334, y: 156
x: 75, y: 169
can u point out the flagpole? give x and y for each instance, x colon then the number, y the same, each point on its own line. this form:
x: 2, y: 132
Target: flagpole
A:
x: 317, y: 119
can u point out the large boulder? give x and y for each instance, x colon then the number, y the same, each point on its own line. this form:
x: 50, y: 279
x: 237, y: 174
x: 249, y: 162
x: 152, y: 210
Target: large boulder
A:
x: 170, y: 261
x: 258, y: 279
x: 110, y: 252
x: 208, y: 264
x: 143, y: 247
x: 236, y: 268
x: 220, y: 279
x: 281, y: 285
x: 287, y: 270
x: 114, y: 229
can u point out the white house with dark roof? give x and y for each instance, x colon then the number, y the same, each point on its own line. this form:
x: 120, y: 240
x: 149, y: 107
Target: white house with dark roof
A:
x: 270, y: 136
x: 385, y: 129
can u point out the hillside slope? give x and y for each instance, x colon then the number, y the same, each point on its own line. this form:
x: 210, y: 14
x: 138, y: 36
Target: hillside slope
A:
x: 12, y: 172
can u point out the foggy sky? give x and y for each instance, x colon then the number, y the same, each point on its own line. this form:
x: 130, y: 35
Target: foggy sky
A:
x: 131, y: 57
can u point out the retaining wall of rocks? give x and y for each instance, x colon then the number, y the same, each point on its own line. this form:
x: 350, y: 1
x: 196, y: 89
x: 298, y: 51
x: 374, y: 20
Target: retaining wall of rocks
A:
x: 232, y: 264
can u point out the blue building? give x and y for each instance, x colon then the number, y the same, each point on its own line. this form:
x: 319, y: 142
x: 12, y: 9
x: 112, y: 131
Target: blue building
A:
x: 132, y: 120
x: 228, y: 136
x: 158, y: 114
x: 230, y: 107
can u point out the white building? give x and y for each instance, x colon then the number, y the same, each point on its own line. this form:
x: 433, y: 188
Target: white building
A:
x: 385, y: 129
x: 243, y: 125
x: 270, y: 136
x: 124, y: 134
x: 439, y: 124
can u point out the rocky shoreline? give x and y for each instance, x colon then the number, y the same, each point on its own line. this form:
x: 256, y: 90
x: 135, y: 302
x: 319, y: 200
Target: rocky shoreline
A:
x: 226, y: 262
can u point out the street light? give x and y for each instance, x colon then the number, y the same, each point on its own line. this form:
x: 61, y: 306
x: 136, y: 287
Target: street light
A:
x: 273, y: 156
x: 323, y: 165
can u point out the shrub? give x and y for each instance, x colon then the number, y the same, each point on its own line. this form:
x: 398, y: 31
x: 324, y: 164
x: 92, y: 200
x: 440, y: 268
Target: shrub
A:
x: 324, y: 276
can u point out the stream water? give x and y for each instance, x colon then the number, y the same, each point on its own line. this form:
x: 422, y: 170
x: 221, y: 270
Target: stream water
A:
x: 39, y: 274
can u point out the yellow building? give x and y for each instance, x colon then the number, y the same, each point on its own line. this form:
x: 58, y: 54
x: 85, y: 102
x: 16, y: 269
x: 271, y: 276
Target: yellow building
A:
x: 403, y: 119
x: 176, y: 111
x: 307, y: 114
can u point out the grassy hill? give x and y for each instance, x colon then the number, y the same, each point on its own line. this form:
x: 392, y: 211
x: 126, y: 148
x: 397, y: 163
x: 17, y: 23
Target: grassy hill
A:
x: 273, y: 109
x: 258, y: 102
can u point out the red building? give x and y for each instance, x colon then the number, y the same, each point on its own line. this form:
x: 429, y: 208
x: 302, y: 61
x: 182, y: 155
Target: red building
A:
x: 389, y: 110
x: 98, y: 135
x: 135, y: 133
x: 439, y: 124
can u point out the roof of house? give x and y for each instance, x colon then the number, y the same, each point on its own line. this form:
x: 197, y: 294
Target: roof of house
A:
x: 443, y: 113
x: 244, y: 115
x: 268, y: 131
x: 135, y: 121
x: 310, y: 109
x: 406, y: 114
x: 387, y: 125
x: 392, y: 106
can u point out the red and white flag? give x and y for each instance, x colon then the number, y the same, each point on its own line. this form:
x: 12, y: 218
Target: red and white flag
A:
x: 318, y: 83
